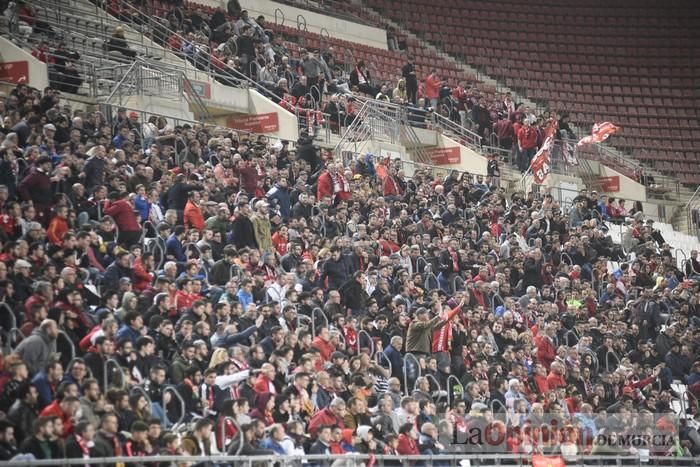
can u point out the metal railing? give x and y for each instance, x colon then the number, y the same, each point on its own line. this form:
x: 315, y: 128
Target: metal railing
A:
x: 692, y: 213
x: 446, y: 460
x: 183, y: 407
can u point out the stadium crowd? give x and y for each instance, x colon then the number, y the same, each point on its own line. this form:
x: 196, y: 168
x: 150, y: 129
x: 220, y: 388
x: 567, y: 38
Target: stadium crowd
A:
x: 193, y: 290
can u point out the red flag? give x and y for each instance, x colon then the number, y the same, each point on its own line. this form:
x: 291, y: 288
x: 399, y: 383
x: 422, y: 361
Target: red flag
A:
x: 541, y: 162
x: 600, y: 132
x: 547, y: 461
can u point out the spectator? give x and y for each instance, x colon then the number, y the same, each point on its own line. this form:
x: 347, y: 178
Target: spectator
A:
x: 117, y: 43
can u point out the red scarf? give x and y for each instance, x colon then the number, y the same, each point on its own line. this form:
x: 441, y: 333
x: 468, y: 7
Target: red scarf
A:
x: 442, y: 338
x: 339, y: 183
x: 83, y: 447
x: 455, y: 261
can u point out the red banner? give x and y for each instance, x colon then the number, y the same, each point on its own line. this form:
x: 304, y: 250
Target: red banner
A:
x: 14, y: 72
x: 260, y: 123
x: 445, y: 156
x: 547, y: 461
x: 610, y: 184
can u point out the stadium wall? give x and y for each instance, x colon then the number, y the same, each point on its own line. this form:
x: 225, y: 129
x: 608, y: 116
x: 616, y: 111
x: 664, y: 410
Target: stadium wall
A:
x: 37, y: 75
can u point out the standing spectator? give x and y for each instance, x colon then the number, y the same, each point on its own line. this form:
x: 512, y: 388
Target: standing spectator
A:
x: 408, y: 72
x: 37, y: 349
x: 121, y: 209
x: 527, y: 145
x: 36, y: 187
x: 432, y: 89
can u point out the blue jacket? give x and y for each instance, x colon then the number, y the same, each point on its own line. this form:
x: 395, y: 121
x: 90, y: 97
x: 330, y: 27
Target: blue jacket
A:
x: 129, y: 333
x: 244, y: 298
x: 269, y: 443
x: 396, y: 359
x: 41, y: 381
x: 282, y: 199
x: 173, y: 246
x: 143, y: 207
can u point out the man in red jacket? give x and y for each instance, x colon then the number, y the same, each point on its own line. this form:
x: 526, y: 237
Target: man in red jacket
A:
x: 264, y: 383
x: 527, y: 145
x: 122, y: 211
x: 64, y: 409
x: 555, y: 378
x: 546, y: 353
x: 193, y: 213
x: 58, y: 226
x: 324, y: 185
x: 330, y: 416
x: 323, y: 344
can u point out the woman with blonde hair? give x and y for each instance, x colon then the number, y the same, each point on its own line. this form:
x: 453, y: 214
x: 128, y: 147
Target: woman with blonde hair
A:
x: 219, y: 356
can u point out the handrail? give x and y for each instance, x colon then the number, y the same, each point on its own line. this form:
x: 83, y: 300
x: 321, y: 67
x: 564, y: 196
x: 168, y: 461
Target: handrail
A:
x: 450, y: 388
x: 281, y: 14
x: 70, y: 342
x: 378, y: 356
x: 239, y: 432
x: 607, y: 360
x: 371, y: 341
x: 171, y: 388
x: 13, y: 333
x: 432, y: 378
x: 127, y: 75
x: 313, y: 320
x: 10, y: 313
x: 496, y: 401
x: 106, y: 373
x: 405, y: 370
x: 300, y: 318
x: 143, y: 392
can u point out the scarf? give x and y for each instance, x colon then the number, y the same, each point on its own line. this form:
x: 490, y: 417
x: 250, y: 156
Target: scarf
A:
x: 455, y: 261
x: 339, y: 183
x: 442, y: 338
x: 83, y: 447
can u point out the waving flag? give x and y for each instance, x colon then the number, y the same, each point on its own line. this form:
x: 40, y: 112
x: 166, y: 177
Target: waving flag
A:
x: 601, y: 132
x: 541, y: 162
x: 568, y: 151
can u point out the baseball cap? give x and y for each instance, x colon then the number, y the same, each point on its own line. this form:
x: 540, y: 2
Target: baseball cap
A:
x: 49, y: 126
x: 124, y: 281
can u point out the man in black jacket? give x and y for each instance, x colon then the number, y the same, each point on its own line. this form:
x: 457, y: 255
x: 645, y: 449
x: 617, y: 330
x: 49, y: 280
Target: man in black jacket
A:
x: 23, y: 412
x: 354, y: 294
x: 335, y: 270
x: 107, y: 442
x: 409, y: 74
x: 178, y: 195
x: 8, y: 445
x: 78, y: 444
x: 243, y: 232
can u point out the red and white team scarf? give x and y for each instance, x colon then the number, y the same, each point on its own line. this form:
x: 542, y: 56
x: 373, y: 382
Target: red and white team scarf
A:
x: 600, y: 132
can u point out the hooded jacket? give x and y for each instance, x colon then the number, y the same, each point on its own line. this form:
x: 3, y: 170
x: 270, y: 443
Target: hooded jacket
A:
x: 36, y: 350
